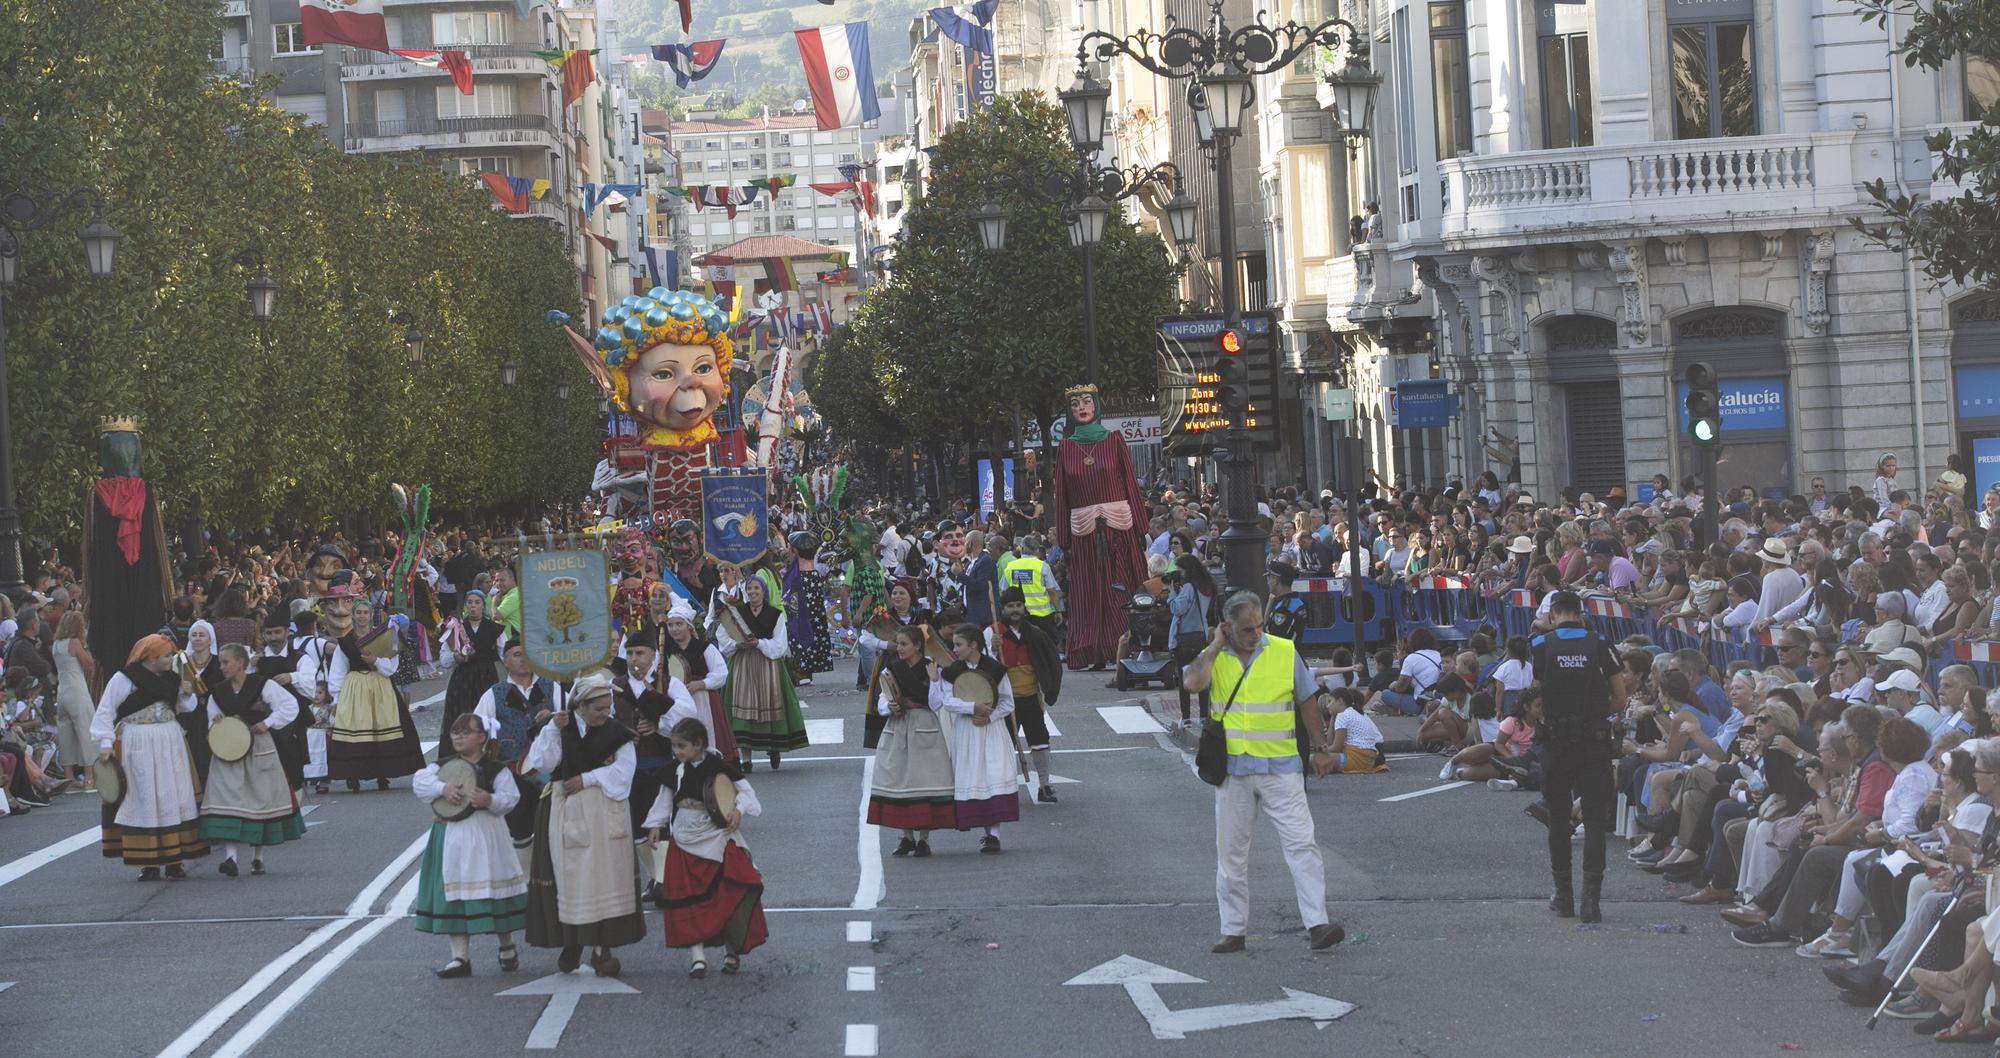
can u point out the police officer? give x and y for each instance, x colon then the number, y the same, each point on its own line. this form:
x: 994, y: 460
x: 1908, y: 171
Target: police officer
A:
x: 1031, y: 573
x: 1580, y: 679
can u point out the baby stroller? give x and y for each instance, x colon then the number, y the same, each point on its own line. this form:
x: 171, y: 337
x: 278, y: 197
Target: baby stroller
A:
x: 1149, y: 653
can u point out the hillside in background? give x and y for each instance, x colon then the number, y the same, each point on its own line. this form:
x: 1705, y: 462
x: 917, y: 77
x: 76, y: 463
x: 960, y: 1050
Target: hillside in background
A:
x: 761, y: 53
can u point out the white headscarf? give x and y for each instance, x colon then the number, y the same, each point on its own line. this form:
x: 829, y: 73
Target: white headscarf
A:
x: 213, y: 646
x: 681, y: 610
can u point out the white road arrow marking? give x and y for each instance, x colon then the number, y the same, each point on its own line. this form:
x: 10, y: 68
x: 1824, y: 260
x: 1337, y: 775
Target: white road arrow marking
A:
x: 5, y: 985
x: 564, y: 992
x: 1141, y: 980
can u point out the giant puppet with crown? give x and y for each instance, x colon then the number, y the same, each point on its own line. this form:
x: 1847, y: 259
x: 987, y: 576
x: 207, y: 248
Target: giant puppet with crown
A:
x: 664, y: 358
x: 1100, y: 522
x: 127, y: 580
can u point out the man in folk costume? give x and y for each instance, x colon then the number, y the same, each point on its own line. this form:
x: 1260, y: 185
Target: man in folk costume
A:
x: 763, y: 704
x: 1099, y: 516
x: 127, y: 579
x: 1034, y: 675
x: 277, y: 662
x: 373, y: 735
x: 157, y: 823
x: 515, y: 710
x: 986, y: 783
x: 249, y: 801
x: 913, y: 789
x: 582, y: 875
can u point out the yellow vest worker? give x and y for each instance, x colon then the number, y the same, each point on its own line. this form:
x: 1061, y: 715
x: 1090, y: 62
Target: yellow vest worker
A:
x: 1031, y: 575
x: 1262, y: 722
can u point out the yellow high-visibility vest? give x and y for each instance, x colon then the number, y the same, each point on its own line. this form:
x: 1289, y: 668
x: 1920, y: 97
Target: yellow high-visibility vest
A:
x: 1030, y: 574
x: 1262, y: 722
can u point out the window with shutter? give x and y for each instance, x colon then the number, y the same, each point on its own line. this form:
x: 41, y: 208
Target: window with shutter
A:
x: 1596, y: 436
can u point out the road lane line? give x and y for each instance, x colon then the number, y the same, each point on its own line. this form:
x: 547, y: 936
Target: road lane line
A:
x: 1422, y: 793
x: 868, y: 892
x: 790, y: 760
x: 1129, y: 719
x: 861, y: 979
x: 859, y: 932
x: 247, y: 1038
x: 827, y: 731
x: 357, y: 910
x: 861, y: 1041
x: 1050, y: 722
x: 43, y: 857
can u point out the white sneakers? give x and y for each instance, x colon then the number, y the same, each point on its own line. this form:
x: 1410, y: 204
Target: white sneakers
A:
x: 1502, y: 784
x: 1828, y: 945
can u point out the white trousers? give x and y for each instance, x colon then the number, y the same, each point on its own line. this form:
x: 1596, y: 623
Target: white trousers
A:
x: 1283, y: 799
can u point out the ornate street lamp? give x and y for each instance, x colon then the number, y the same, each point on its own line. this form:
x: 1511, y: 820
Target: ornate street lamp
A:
x: 1091, y: 215
x: 1229, y: 94
x: 1181, y: 219
x: 1354, y: 87
x: 100, y: 243
x: 562, y: 391
x: 507, y: 372
x: 413, y: 345
x: 263, y: 294
x: 1086, y: 105
x: 992, y: 222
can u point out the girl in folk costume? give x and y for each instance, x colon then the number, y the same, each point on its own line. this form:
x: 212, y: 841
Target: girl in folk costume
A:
x: 582, y: 875
x: 701, y: 669
x: 200, y: 659
x: 913, y: 788
x: 902, y: 611
x: 805, y: 605
x: 156, y: 824
x: 249, y: 801
x: 763, y: 704
x: 373, y: 735
x: 712, y: 893
x: 476, y: 643
x: 985, y: 778
x: 471, y: 881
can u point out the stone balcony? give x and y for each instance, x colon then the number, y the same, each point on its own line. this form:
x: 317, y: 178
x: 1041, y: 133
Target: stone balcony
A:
x: 506, y: 130
x: 1742, y: 181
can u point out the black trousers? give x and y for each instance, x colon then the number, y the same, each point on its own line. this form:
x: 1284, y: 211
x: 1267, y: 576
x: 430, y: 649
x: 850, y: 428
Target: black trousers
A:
x: 647, y: 779
x: 1578, y: 767
x: 1034, y: 722
x: 1888, y: 892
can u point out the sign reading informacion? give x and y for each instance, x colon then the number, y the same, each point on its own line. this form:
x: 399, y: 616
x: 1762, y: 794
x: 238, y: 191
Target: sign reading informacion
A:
x: 1201, y: 422
x: 1747, y: 404
x: 565, y: 612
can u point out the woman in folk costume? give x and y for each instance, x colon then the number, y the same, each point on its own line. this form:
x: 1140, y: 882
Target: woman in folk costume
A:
x: 902, y: 611
x: 712, y: 893
x: 805, y: 607
x: 583, y: 874
x: 157, y: 824
x: 373, y: 736
x: 763, y: 704
x: 200, y: 659
x: 249, y: 801
x: 702, y: 671
x: 986, y: 780
x: 471, y: 881
x: 476, y: 643
x: 913, y: 790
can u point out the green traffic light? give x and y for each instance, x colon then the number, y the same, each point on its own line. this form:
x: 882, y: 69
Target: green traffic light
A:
x: 1704, y: 431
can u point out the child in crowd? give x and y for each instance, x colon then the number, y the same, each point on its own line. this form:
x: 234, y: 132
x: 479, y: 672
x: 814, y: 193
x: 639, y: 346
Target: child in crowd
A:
x: 1357, y: 742
x: 712, y: 893
x: 1511, y: 760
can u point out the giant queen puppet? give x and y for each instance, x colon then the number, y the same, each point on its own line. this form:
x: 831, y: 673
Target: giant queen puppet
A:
x: 127, y: 582
x: 1100, y: 521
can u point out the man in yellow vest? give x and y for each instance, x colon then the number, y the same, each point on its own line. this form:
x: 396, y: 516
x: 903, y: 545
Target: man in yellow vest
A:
x: 1030, y: 573
x: 1260, y: 685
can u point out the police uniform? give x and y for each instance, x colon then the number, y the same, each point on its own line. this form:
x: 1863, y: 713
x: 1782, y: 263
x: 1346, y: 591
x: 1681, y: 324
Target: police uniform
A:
x: 1575, y: 669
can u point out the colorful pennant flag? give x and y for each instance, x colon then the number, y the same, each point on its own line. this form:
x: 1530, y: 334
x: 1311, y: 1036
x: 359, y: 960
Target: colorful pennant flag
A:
x: 596, y: 194
x: 778, y: 271
x: 610, y: 245
x: 775, y: 184
x: 356, y: 23
x: 966, y: 24
x: 537, y: 189
x: 578, y: 73
x: 689, y: 62
x: 456, y: 63
x: 510, y: 191
x: 838, y: 75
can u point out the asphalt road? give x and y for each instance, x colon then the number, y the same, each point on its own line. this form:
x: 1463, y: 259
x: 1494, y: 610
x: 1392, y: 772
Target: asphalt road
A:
x: 1449, y: 950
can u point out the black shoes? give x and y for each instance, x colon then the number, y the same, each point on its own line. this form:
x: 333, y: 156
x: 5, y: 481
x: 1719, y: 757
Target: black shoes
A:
x: 1563, y: 903
x: 990, y: 845
x: 257, y: 866
x: 353, y: 786
x: 228, y: 868
x: 1228, y: 945
x: 510, y: 958
x: 381, y: 784
x: 905, y: 847
x: 774, y: 761
x: 1539, y: 811
x: 1326, y: 935
x: 455, y: 968
x: 1593, y: 888
x: 605, y: 963
x: 1046, y: 795
x: 149, y: 874
x: 176, y: 873
x: 569, y: 959
x: 923, y: 848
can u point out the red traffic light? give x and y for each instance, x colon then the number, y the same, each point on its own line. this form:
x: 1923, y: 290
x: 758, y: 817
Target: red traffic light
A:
x: 1230, y: 341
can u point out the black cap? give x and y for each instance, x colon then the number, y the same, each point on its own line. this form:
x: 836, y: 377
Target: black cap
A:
x: 1603, y: 547
x: 1282, y: 570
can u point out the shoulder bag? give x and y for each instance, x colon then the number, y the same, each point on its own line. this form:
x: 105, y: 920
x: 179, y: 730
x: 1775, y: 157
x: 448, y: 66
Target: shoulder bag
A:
x: 1211, y: 755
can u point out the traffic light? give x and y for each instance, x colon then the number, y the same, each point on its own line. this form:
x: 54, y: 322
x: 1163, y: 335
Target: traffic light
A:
x: 1704, y: 405
x: 1231, y: 394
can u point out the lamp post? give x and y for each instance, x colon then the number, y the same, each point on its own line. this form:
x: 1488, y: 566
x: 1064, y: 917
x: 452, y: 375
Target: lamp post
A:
x: 263, y: 290
x: 507, y: 370
x: 1219, y: 65
x: 20, y: 213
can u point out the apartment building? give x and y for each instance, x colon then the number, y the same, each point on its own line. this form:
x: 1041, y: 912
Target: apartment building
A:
x: 734, y: 151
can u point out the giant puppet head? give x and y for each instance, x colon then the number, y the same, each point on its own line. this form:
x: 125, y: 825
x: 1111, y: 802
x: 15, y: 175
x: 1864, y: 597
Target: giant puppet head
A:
x: 631, y: 557
x: 118, y: 448
x: 684, y: 541
x: 664, y: 359
x: 950, y: 540
x: 1082, y: 405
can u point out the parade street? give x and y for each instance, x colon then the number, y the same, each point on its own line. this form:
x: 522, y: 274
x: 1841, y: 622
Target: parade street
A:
x: 959, y: 954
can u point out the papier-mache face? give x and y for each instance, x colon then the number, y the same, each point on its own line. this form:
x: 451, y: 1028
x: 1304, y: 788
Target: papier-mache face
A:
x: 668, y: 355
x: 1082, y: 408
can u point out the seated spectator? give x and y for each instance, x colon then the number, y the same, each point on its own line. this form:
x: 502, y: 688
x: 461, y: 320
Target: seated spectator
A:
x: 1422, y: 667
x: 1356, y: 740
x: 1510, y: 760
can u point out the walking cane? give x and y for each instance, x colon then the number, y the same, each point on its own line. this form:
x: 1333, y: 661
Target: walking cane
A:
x: 1957, y: 892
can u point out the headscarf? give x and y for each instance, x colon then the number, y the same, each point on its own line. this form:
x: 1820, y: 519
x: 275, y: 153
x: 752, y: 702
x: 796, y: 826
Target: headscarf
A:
x: 773, y: 597
x: 214, y: 645
x: 681, y: 610
x: 471, y: 595
x: 150, y: 647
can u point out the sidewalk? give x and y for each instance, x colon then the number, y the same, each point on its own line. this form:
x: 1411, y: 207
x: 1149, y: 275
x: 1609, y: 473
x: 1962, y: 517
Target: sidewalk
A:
x: 1399, y: 733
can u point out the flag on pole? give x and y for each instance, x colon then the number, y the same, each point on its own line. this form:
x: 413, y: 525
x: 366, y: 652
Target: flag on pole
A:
x: 456, y: 63
x: 839, y: 76
x: 357, y: 23
x: 967, y: 24
x: 539, y: 188
x: 690, y: 62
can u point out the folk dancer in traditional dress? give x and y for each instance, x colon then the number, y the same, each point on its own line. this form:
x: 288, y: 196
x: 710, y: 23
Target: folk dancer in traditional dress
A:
x: 712, y: 892
x: 986, y: 781
x: 913, y: 789
x: 471, y: 882
x: 582, y: 875
x: 904, y: 612
x: 805, y: 609
x: 1034, y: 673
x: 763, y: 705
x: 648, y: 702
x: 475, y: 641
x: 277, y: 661
x: 372, y: 734
x: 157, y: 824
x: 249, y: 801
x: 704, y: 671
x: 199, y: 658
x: 515, y: 710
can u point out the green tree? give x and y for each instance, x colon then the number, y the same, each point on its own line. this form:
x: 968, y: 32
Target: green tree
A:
x: 1955, y: 238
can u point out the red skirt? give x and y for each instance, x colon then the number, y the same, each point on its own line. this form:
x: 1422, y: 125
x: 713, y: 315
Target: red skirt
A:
x: 718, y: 724
x: 912, y: 815
x: 712, y: 903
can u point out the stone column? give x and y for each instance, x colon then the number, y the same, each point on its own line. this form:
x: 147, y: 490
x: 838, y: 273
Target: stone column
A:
x: 1644, y: 374
x: 1622, y: 60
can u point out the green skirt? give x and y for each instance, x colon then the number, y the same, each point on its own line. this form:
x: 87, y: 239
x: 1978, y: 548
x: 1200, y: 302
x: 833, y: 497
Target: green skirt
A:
x: 259, y: 832
x: 782, y: 735
x: 436, y: 914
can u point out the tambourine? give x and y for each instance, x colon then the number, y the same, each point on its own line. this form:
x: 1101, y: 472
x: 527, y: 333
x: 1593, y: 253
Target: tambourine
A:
x: 457, y: 772
x: 229, y: 739
x: 677, y: 668
x: 975, y: 688
x: 109, y: 777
